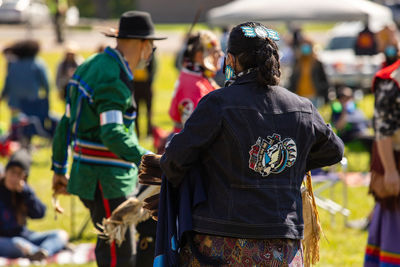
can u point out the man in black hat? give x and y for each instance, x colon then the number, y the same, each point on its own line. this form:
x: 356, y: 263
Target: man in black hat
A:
x: 99, y: 125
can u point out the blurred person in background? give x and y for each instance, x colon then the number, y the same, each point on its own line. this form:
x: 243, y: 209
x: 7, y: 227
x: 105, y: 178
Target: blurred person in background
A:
x: 67, y: 67
x: 349, y: 121
x: 143, y: 78
x: 201, y: 61
x: 9, y: 55
x: 384, y: 231
x: 220, y: 76
x: 391, y: 55
x: 297, y: 37
x: 200, y: 64
x: 27, y: 89
x: 26, y: 77
x: 308, y: 78
x: 58, y: 9
x: 17, y: 203
x: 387, y: 37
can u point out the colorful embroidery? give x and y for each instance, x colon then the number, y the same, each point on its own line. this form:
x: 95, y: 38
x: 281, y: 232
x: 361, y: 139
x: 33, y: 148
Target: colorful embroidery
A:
x: 272, y: 155
x: 261, y: 32
x: 94, y: 153
x: 185, y: 108
x: 244, y: 252
x: 376, y: 255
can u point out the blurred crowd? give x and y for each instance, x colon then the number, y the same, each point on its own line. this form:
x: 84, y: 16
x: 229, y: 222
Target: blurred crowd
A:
x: 201, y: 70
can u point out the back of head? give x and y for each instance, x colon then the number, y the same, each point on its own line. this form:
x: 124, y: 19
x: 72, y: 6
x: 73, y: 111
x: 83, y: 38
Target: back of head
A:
x: 200, y: 41
x: 25, y: 49
x: 251, y: 43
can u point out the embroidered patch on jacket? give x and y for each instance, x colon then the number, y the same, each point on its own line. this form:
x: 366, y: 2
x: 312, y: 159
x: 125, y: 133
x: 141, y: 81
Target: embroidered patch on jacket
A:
x: 185, y: 108
x: 272, y: 155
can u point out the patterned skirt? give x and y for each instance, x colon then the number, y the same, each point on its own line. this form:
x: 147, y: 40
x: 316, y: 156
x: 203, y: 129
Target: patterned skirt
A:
x: 383, y: 248
x: 244, y: 252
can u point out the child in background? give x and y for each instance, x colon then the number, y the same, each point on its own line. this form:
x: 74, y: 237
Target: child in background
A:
x: 17, y: 203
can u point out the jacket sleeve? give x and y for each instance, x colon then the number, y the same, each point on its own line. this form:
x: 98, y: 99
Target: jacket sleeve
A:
x: 122, y: 141
x: 328, y: 147
x: 6, y: 88
x: 36, y: 209
x: 61, y: 141
x: 44, y: 81
x: 185, y: 148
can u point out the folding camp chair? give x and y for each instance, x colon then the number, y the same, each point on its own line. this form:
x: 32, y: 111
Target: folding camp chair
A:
x: 326, y: 180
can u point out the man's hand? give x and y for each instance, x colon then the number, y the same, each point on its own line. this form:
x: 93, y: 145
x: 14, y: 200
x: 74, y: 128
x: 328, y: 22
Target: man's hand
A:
x: 392, y: 183
x: 60, y: 182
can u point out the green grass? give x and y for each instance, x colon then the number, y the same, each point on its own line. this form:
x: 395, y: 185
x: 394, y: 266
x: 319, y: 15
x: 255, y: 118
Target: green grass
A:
x: 342, y: 247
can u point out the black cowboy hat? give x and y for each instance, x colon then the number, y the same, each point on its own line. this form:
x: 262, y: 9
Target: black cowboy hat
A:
x: 135, y: 25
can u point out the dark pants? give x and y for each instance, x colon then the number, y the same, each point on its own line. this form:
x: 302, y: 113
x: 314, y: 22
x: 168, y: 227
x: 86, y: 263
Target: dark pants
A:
x: 107, y: 254
x: 143, y: 92
x: 147, y: 243
x: 58, y: 27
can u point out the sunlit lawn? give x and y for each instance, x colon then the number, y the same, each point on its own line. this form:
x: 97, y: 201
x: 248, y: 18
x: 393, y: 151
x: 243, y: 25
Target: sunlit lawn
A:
x: 342, y: 246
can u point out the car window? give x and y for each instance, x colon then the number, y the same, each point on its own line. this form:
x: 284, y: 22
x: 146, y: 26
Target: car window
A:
x: 341, y: 42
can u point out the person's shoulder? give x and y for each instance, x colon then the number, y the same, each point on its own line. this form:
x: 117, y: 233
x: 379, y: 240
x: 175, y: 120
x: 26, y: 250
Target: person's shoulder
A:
x: 291, y: 99
x: 40, y: 62
x: 386, y: 77
x: 99, y: 65
x: 101, y: 61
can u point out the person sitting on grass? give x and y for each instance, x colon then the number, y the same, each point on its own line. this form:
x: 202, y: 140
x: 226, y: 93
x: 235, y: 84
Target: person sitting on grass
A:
x: 17, y: 203
x: 349, y: 121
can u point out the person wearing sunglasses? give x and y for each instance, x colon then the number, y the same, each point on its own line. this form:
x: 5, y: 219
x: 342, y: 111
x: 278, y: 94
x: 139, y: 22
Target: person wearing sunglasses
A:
x: 99, y: 126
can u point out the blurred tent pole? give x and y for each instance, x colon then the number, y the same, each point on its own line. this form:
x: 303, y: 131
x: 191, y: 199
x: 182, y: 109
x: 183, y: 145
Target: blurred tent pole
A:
x: 179, y: 56
x: 195, y: 20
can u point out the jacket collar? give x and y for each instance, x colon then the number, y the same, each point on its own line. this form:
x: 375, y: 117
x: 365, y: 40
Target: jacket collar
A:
x: 249, y: 77
x: 115, y: 54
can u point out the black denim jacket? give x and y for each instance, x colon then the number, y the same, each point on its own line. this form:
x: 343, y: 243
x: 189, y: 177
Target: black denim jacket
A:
x: 254, y: 146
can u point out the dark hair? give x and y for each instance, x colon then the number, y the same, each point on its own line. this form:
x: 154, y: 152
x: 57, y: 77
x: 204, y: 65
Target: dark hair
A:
x: 25, y: 49
x: 192, y: 46
x: 256, y: 52
x: 18, y: 205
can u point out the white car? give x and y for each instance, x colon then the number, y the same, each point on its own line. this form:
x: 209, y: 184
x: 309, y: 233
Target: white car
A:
x: 341, y: 64
x: 34, y: 12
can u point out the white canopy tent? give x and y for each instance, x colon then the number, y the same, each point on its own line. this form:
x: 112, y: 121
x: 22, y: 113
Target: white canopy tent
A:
x: 299, y: 10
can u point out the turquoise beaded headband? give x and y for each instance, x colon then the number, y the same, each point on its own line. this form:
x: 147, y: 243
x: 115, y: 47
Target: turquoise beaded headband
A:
x: 261, y: 32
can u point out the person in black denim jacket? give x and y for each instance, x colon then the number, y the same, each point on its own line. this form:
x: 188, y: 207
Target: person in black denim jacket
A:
x: 254, y: 142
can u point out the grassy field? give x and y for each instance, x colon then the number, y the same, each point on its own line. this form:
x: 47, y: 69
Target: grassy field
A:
x: 342, y: 246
